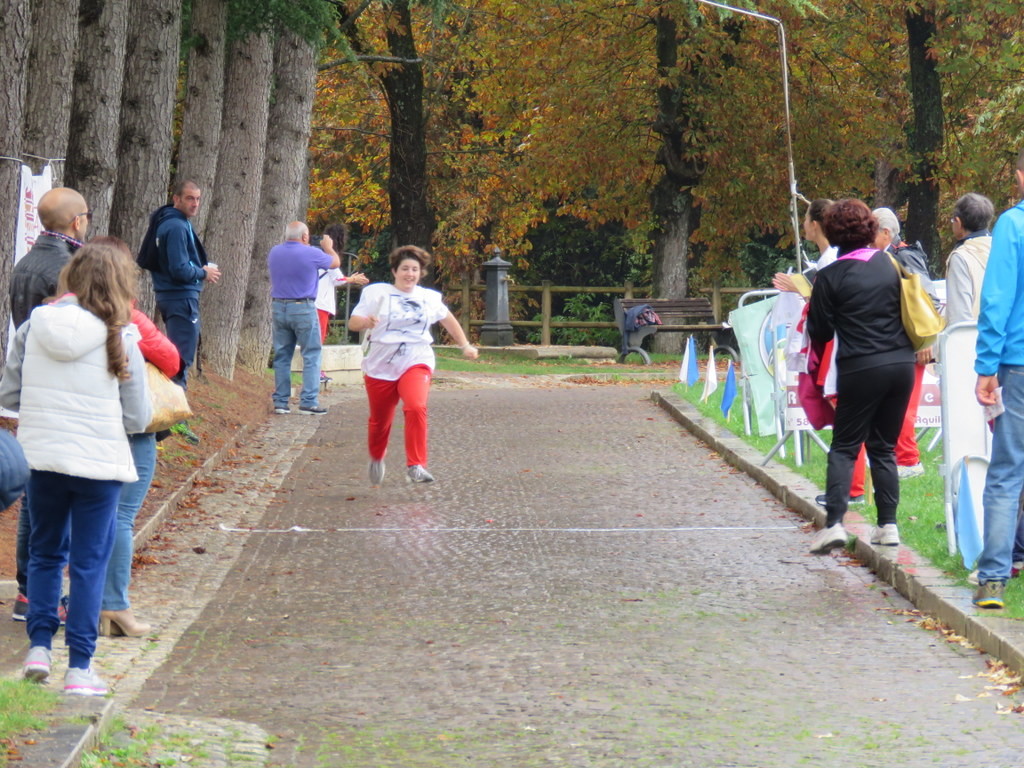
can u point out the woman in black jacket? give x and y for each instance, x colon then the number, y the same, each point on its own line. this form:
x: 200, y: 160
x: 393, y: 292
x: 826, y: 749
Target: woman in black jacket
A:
x: 858, y: 299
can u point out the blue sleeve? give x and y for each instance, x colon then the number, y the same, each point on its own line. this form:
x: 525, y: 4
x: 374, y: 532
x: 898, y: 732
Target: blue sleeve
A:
x: 999, y: 292
x: 174, y: 256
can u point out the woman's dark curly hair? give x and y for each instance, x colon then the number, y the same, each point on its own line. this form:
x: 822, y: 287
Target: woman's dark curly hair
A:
x: 403, y: 252
x: 849, y: 225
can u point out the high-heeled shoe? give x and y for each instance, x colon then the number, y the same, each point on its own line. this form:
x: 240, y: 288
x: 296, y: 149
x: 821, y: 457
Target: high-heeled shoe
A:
x: 122, y: 623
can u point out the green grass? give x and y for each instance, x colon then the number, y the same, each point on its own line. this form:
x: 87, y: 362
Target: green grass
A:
x: 921, y: 515
x: 125, y: 745
x: 500, y: 361
x: 24, y: 707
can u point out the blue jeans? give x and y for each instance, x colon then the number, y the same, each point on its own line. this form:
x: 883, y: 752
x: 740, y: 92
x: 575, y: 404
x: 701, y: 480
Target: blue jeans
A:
x: 61, y: 503
x: 119, y: 569
x: 181, y: 320
x: 1004, y: 479
x: 296, y: 323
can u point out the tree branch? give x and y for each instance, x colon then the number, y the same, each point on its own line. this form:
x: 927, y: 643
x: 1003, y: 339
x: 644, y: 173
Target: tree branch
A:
x: 356, y: 59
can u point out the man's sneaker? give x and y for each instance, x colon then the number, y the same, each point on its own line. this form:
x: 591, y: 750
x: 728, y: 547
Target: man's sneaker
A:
x: 20, y: 611
x: 312, y: 410
x: 913, y: 471
x: 37, y: 664
x: 989, y: 595
x: 283, y: 410
x: 887, y: 535
x: 376, y: 471
x: 182, y: 429
x: 84, y: 682
x: 820, y: 500
x: 417, y: 474
x: 827, y: 539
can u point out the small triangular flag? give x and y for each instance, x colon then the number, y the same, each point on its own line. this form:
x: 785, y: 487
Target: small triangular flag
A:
x: 710, y: 377
x: 688, y: 370
x: 729, y: 393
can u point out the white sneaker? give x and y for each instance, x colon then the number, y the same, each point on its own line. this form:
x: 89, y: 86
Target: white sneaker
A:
x: 84, y: 682
x: 376, y: 471
x: 913, y: 471
x: 37, y: 664
x: 827, y: 539
x: 887, y: 535
x: 417, y: 474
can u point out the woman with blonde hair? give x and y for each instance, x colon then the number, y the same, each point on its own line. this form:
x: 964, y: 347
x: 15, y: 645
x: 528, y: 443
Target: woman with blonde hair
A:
x: 76, y: 378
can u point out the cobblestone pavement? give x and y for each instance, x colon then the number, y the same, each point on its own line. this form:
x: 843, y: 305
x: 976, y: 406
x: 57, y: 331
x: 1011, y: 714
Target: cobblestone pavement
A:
x: 585, y: 585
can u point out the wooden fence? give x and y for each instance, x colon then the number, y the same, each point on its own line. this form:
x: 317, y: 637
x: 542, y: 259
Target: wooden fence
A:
x: 547, y: 290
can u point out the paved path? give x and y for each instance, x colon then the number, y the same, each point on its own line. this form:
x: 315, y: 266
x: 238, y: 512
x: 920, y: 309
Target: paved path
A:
x: 585, y: 585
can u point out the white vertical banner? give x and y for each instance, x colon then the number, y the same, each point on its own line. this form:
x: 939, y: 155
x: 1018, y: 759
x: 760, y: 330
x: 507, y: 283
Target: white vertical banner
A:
x: 29, y: 226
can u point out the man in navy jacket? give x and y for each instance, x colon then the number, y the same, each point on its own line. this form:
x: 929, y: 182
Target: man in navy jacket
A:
x: 181, y: 270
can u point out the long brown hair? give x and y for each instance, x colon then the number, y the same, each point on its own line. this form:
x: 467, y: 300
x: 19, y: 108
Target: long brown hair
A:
x: 103, y: 278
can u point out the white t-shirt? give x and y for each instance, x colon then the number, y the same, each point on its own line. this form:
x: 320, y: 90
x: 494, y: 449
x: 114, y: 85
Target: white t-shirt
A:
x: 402, y: 337
x: 325, y: 296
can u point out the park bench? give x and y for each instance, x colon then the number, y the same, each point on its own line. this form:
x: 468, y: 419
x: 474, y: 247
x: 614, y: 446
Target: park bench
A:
x: 691, y: 315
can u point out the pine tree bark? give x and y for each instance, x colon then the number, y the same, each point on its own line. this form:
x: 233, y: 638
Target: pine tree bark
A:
x: 231, y: 227
x: 285, y: 176
x: 412, y: 219
x: 147, y: 121
x: 96, y: 106
x: 925, y: 135
x: 672, y: 203
x: 14, y: 36
x: 204, y: 100
x: 51, y: 66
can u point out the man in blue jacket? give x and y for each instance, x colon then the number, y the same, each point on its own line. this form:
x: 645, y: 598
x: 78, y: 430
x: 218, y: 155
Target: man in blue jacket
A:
x: 1000, y: 363
x: 181, y: 270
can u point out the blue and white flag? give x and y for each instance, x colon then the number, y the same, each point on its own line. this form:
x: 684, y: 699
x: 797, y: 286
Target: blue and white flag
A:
x: 968, y: 537
x: 711, y: 376
x: 688, y: 370
x: 729, y: 393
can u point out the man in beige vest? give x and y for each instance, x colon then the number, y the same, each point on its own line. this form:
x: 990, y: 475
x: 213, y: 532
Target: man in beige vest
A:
x: 965, y: 268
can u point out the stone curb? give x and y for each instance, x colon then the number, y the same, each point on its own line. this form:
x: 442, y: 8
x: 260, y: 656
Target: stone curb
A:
x: 80, y: 722
x: 928, y: 588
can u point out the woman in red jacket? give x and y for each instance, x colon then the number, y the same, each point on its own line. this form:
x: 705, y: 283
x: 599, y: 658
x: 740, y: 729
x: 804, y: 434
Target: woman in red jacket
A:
x: 116, y: 617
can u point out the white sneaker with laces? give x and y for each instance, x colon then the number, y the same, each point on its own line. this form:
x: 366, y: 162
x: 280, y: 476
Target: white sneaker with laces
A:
x: 376, y: 471
x: 827, y: 539
x: 84, y: 682
x: 887, y: 535
x: 417, y: 474
x: 915, y: 470
x: 37, y: 664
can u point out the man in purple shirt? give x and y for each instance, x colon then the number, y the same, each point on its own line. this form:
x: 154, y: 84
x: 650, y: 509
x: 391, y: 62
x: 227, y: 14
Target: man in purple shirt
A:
x: 294, y: 270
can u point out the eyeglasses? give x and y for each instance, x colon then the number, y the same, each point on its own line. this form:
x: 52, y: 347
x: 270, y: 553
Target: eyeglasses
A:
x: 87, y: 214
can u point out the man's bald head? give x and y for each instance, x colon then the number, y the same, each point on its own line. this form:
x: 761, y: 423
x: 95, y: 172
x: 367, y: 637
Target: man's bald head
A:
x: 64, y: 210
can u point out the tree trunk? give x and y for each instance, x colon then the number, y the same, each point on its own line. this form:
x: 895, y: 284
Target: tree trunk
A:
x: 51, y: 66
x: 925, y: 134
x: 231, y: 227
x: 672, y: 202
x: 412, y: 220
x: 96, y: 106
x: 14, y: 36
x: 204, y: 100
x: 285, y: 176
x: 147, y: 121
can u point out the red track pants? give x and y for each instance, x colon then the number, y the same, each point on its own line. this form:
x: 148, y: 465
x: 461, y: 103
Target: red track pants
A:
x: 413, y: 389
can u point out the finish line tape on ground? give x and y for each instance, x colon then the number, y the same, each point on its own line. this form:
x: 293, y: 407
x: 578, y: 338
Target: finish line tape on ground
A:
x: 497, y: 529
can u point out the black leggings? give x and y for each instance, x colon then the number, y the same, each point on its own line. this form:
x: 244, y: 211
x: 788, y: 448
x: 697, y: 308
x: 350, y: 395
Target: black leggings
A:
x: 870, y: 409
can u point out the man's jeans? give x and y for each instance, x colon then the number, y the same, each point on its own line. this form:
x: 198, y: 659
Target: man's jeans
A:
x: 119, y: 569
x: 1004, y: 479
x: 295, y: 322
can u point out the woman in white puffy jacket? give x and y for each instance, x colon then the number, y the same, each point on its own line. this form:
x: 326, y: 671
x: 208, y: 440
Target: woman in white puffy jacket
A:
x: 77, y: 380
